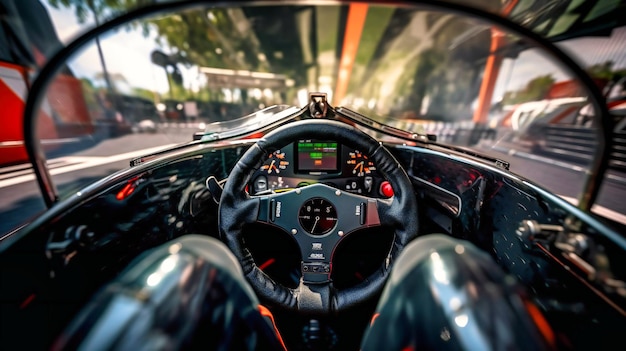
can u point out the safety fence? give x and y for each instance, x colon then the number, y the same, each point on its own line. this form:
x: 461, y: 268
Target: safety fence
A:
x: 578, y: 143
x: 564, y: 142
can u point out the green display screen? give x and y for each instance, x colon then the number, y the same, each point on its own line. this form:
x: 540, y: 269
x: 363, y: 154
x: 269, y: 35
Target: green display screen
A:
x: 316, y: 155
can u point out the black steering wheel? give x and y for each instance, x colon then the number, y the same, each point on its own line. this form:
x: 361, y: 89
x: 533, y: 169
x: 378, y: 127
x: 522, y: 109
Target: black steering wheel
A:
x: 318, y: 241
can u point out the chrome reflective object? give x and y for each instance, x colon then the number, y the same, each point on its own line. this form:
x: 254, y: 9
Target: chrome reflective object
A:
x: 446, y: 294
x: 186, y: 292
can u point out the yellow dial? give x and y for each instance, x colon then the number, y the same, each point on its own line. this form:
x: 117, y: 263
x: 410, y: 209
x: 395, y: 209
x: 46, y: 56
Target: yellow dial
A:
x: 275, y: 163
x: 359, y: 164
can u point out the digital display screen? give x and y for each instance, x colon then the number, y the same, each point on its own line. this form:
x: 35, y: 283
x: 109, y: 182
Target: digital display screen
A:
x: 316, y: 155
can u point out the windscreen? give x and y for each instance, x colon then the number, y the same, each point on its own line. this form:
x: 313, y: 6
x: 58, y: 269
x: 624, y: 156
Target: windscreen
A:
x: 156, y: 82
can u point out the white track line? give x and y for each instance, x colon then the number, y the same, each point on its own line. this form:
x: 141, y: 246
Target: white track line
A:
x: 82, y: 162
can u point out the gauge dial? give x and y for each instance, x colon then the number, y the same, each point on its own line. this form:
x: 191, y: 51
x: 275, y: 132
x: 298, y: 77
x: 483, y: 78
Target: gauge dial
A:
x: 276, y: 162
x: 318, y: 216
x: 359, y: 164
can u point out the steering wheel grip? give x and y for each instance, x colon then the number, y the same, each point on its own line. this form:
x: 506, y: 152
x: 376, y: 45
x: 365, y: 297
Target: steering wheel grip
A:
x: 237, y: 208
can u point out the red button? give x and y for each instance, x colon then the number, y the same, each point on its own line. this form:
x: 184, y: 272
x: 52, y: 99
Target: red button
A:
x: 386, y: 189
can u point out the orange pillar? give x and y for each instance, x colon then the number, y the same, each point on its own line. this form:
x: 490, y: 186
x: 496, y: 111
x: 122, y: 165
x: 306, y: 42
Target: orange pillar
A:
x: 492, y: 68
x: 352, y: 37
x: 490, y: 77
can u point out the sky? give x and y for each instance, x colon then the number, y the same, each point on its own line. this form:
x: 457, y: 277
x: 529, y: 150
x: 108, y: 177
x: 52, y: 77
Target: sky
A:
x: 126, y: 53
x: 585, y: 51
x: 594, y: 50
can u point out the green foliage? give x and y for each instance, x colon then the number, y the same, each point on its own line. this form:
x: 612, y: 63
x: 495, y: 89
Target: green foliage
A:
x: 97, y: 8
x: 89, y: 90
x: 84, y: 8
x: 535, y: 89
x: 146, y: 94
x: 376, y: 22
x: 187, y: 35
x: 205, y: 37
x: 327, y: 28
x: 429, y: 64
x: 373, y: 30
x: 602, y: 70
x: 90, y: 93
x: 606, y: 72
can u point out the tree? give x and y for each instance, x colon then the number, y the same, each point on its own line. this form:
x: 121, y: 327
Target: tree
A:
x: 82, y: 9
x: 207, y: 37
x: 97, y: 8
x: 89, y: 93
x: 428, y: 62
x: 602, y: 70
x: 146, y: 94
x: 536, y: 89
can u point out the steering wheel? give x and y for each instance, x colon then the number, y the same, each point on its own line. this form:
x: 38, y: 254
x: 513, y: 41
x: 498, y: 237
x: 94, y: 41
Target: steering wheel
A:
x: 288, y: 210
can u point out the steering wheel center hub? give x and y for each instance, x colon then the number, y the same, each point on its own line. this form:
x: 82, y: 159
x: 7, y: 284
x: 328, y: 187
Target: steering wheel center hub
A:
x: 317, y: 216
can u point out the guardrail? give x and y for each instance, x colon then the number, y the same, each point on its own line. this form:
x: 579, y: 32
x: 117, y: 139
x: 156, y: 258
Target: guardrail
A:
x: 577, y: 143
x: 574, y: 143
x: 564, y: 142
